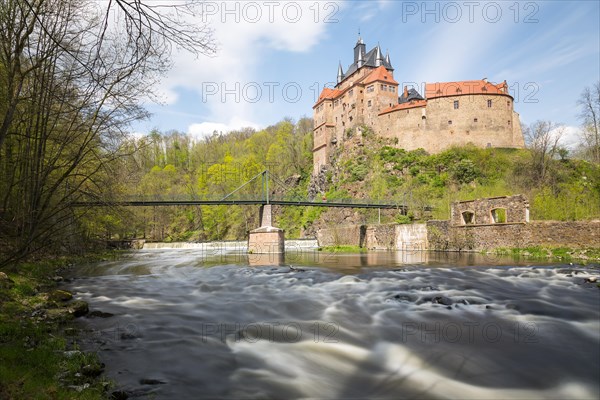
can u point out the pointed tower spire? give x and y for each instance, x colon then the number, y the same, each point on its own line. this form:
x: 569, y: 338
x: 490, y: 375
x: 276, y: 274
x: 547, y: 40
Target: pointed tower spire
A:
x: 340, y: 74
x: 378, y: 57
x: 387, y: 57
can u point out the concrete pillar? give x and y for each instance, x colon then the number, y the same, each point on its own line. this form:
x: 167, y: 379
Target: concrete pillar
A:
x: 265, y: 215
x: 267, y: 239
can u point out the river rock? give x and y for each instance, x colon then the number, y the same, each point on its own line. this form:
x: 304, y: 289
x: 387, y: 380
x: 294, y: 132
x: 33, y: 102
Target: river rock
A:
x: 151, y: 382
x: 79, y: 308
x: 442, y: 300
x: 92, y: 370
x: 59, y: 314
x: 99, y: 314
x: 5, y: 281
x: 119, y: 395
x: 59, y: 296
x: 591, y: 279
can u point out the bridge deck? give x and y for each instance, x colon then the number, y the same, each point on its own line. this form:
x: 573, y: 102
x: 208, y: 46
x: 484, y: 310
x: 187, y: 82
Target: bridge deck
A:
x: 151, y: 203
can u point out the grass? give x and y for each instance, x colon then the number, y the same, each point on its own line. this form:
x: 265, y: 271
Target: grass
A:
x: 342, y: 249
x: 33, y: 362
x: 551, y: 253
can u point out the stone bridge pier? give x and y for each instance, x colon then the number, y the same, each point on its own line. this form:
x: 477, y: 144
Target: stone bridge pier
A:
x: 266, y: 239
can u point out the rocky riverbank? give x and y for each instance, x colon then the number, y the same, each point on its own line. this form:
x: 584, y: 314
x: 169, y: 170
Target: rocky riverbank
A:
x: 39, y: 351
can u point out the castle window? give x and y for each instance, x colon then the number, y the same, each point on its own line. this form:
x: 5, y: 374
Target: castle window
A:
x: 508, y: 104
x: 384, y: 87
x: 335, y: 103
x: 350, y: 92
x: 450, y: 122
x: 508, y: 122
x: 456, y: 104
x: 392, y: 89
x: 370, y: 88
x: 468, y: 217
x: 369, y: 103
x: 474, y: 119
x: 489, y: 103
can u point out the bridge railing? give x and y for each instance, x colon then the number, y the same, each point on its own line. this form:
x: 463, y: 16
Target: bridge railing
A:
x: 241, y: 198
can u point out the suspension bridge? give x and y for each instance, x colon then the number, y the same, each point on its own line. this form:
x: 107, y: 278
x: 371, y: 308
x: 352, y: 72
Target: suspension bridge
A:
x: 266, y: 238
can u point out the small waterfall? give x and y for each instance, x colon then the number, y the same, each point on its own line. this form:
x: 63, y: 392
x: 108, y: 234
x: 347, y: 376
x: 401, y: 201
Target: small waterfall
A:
x: 233, y: 245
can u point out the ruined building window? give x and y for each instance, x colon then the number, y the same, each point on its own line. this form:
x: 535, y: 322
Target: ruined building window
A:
x: 468, y: 217
x: 498, y: 215
x: 456, y: 104
x: 369, y: 103
x: 489, y: 103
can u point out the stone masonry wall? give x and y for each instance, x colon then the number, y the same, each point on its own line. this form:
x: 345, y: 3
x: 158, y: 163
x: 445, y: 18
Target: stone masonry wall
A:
x: 516, y: 209
x: 576, y: 234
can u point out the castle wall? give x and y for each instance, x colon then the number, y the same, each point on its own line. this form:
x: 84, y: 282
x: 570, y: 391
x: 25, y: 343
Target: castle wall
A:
x: 439, y: 125
x: 575, y: 234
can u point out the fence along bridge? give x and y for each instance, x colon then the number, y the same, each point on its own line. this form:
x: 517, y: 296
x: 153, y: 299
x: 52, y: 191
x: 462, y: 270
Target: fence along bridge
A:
x: 230, y: 199
x: 265, y: 239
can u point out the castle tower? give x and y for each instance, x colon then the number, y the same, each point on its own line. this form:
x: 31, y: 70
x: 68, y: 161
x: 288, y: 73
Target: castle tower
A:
x: 359, y: 52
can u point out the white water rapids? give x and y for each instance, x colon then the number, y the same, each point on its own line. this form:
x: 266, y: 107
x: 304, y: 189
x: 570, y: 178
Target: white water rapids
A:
x: 191, y: 325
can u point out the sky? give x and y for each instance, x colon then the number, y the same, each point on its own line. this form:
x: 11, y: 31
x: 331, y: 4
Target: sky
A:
x: 274, y: 57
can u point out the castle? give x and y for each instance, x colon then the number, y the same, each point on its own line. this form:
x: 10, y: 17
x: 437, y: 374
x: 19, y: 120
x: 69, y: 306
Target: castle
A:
x: 451, y: 113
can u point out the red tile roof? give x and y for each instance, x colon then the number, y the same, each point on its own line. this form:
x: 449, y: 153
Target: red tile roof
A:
x: 379, y: 74
x: 443, y: 89
x: 404, y: 106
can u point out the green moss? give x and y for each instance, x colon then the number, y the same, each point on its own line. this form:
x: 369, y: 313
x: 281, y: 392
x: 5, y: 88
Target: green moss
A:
x: 342, y: 249
x: 551, y: 253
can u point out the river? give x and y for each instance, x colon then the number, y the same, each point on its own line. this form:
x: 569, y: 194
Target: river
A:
x: 192, y: 324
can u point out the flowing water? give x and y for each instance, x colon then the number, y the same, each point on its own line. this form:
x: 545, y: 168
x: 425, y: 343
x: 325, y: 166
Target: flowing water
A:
x: 189, y: 324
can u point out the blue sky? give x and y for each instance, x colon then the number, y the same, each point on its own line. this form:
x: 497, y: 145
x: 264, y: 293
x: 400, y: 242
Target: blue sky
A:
x: 275, y: 57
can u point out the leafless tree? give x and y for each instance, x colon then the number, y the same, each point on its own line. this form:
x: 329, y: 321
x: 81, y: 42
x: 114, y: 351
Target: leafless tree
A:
x: 543, y: 140
x: 590, y: 116
x: 71, y: 80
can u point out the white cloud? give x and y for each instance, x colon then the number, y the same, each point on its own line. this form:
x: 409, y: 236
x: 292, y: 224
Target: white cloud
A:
x: 244, y: 48
x: 204, y: 129
x: 570, y: 136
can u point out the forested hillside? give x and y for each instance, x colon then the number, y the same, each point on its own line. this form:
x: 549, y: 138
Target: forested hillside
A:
x: 173, y: 166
